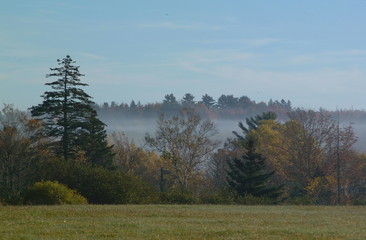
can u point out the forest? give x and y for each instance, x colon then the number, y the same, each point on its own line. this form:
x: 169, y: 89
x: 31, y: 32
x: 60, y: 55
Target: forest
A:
x: 70, y: 150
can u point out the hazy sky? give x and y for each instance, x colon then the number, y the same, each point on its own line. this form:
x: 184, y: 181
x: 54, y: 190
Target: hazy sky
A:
x: 311, y: 52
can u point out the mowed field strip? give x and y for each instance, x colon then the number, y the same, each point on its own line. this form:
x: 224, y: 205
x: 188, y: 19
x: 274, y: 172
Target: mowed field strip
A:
x: 182, y: 222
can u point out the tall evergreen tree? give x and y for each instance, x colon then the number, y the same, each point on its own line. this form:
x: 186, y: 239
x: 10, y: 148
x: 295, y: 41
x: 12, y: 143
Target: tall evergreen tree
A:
x: 248, y: 175
x: 208, y: 101
x: 170, y: 105
x: 227, y: 101
x: 70, y: 118
x: 188, y: 100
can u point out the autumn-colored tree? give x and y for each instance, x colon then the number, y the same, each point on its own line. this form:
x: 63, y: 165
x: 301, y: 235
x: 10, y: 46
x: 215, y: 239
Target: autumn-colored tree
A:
x: 135, y: 161
x: 22, y: 147
x: 325, y: 149
x: 185, y: 143
x: 304, y: 152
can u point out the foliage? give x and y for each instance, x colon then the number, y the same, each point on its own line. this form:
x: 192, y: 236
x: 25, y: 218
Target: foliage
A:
x: 208, y: 101
x: 319, y: 147
x: 134, y: 161
x: 320, y: 190
x: 303, y: 150
x: 21, y: 150
x: 253, y: 124
x: 248, y: 176
x: 227, y: 101
x: 300, y: 200
x: 177, y: 197
x: 99, y: 185
x: 94, y: 145
x: 188, y: 100
x: 225, y: 107
x: 221, y: 196
x: 360, y: 201
x: 170, y: 104
x: 70, y: 118
x: 185, y: 143
x: 252, y: 200
x: 52, y: 193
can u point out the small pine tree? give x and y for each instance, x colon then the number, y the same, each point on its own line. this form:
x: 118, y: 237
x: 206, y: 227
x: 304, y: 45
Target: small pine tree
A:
x: 248, y: 175
x: 70, y: 118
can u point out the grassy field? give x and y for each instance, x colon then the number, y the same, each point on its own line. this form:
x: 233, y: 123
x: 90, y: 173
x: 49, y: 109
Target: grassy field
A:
x: 182, y: 222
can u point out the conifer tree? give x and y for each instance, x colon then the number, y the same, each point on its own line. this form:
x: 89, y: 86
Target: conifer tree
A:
x: 208, y: 101
x: 248, y: 175
x: 70, y: 118
x: 253, y: 123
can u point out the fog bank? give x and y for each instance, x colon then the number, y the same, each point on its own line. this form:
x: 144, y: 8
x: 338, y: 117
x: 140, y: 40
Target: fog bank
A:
x: 136, y: 129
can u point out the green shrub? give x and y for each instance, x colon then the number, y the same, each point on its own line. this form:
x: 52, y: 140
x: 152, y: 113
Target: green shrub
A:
x: 103, y: 186
x: 217, y: 198
x: 251, y: 200
x: 177, y: 198
x: 52, y: 193
x: 12, y: 198
x: 99, y: 185
x: 303, y: 200
x: 357, y: 201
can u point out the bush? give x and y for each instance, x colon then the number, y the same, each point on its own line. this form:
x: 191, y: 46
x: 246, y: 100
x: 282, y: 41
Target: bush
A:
x: 217, y: 198
x: 103, y: 186
x: 251, y: 200
x: 357, y: 201
x: 12, y: 198
x: 52, y: 193
x: 99, y: 185
x: 302, y: 200
x: 177, y: 198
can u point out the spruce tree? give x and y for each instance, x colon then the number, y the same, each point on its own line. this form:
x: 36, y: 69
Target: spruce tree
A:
x: 253, y: 123
x: 70, y: 118
x: 248, y: 175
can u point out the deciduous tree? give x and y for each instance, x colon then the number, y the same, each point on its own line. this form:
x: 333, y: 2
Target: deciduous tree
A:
x: 21, y: 149
x: 185, y: 142
x: 135, y: 161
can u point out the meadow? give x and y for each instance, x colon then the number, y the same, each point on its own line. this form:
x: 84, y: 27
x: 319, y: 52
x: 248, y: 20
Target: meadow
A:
x: 182, y: 222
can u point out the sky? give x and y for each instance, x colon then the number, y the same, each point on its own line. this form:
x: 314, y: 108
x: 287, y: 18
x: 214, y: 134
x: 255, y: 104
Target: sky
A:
x: 310, y: 52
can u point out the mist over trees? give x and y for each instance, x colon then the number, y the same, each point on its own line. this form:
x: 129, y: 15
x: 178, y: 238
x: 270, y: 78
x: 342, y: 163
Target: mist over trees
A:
x: 275, y: 153
x: 225, y: 107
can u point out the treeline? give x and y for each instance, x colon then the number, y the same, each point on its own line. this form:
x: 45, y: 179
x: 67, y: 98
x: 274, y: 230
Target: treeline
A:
x: 225, y: 107
x: 306, y: 160
x: 62, y: 154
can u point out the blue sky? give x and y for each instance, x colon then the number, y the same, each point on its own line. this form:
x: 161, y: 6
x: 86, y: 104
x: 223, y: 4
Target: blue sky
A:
x: 310, y: 52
